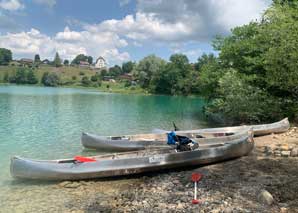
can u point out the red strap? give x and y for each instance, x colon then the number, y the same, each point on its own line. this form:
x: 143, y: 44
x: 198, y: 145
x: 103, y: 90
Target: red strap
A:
x: 195, y: 177
x: 83, y: 159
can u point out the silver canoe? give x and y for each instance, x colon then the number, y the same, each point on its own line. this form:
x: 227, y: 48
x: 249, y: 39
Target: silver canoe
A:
x: 145, y: 141
x: 131, y: 162
x: 142, y: 141
x: 259, y: 130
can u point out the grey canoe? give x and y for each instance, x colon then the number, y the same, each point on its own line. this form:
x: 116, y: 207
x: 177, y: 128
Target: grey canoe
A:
x: 130, y: 162
x: 143, y: 141
x: 259, y: 130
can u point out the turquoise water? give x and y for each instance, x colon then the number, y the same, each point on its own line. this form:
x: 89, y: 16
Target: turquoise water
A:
x: 46, y: 123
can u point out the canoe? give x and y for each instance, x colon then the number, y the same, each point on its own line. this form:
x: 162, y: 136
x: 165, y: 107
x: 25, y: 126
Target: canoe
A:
x: 145, y: 141
x: 131, y: 162
x: 259, y: 130
x: 142, y: 141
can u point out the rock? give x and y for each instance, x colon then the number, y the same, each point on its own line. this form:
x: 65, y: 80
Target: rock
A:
x: 265, y: 197
x: 285, y: 153
x: 283, y: 210
x: 294, y: 152
x: 284, y: 147
x: 268, y: 150
x: 228, y: 210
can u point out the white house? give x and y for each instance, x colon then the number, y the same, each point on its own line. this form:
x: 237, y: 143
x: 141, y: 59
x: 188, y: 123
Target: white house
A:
x: 100, y: 63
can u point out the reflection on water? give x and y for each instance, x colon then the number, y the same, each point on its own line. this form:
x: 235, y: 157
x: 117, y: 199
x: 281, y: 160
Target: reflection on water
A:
x: 46, y: 123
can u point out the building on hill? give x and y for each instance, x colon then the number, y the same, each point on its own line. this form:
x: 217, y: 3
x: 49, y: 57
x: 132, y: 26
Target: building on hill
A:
x: 46, y: 61
x: 100, y: 63
x: 84, y: 64
x: 26, y: 62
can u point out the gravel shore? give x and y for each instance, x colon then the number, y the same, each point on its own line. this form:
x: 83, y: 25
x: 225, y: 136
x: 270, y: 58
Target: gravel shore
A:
x: 264, y: 181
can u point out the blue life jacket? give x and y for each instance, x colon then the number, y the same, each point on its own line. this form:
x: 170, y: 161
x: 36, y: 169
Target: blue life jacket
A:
x: 171, y: 138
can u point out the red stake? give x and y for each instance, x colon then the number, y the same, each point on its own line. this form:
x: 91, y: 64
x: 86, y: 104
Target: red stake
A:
x: 196, y: 177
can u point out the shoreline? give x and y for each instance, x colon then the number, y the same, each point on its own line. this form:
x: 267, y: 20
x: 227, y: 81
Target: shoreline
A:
x: 230, y: 186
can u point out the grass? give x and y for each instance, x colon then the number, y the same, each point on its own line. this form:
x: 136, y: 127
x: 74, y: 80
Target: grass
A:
x: 71, y: 76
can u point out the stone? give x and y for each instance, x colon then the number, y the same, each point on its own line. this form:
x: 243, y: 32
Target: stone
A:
x: 294, y: 152
x: 228, y: 210
x: 283, y: 210
x: 285, y: 153
x: 268, y: 150
x: 284, y: 147
x: 265, y: 197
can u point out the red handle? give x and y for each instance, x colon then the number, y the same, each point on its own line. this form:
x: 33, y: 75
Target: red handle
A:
x: 195, y: 177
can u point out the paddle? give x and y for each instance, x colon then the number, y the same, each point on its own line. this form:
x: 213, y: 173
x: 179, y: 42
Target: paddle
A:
x: 196, y: 177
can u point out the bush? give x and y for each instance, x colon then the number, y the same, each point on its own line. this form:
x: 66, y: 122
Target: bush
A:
x: 241, y: 102
x: 31, y: 78
x: 94, y: 78
x: 50, y: 79
x: 85, y: 81
x: 82, y: 73
x: 20, y: 77
x: 74, y: 77
x: 127, y: 83
x: 6, y: 78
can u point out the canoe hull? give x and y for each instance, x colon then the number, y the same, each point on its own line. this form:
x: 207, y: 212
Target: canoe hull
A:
x: 130, y: 163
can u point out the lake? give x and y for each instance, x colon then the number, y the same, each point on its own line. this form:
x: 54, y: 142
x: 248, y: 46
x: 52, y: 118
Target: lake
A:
x: 46, y: 123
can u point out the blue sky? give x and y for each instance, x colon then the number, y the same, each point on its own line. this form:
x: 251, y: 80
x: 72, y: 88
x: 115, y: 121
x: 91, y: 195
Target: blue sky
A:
x: 120, y: 30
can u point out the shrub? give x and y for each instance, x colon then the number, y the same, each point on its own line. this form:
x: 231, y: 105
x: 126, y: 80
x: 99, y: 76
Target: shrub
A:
x: 85, y: 81
x: 74, y: 77
x: 50, y: 79
x: 94, y: 78
x: 31, y: 78
x: 82, y: 73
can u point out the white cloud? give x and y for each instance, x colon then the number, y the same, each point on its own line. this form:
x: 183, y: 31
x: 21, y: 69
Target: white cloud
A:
x: 124, y: 2
x: 11, y: 5
x: 68, y: 43
x: 182, y: 20
x: 48, y: 3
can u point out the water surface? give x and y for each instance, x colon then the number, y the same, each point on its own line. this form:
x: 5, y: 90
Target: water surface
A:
x: 46, y: 123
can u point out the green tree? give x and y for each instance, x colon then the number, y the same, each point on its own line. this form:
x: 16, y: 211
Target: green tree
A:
x: 21, y: 76
x: 31, y: 78
x: 57, y: 60
x: 146, y: 68
x: 115, y: 71
x: 127, y: 67
x: 5, y: 56
x: 37, y: 59
x: 82, y: 57
x: 66, y: 62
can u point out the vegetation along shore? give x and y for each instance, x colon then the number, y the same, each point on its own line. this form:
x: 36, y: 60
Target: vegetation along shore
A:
x: 253, y: 78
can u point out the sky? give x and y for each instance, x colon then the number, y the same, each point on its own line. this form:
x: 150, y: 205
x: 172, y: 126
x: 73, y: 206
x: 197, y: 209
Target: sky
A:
x: 120, y: 30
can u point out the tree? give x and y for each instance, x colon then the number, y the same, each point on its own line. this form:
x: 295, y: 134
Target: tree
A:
x: 115, y: 71
x: 31, y: 78
x: 146, y: 68
x: 174, y: 78
x: 57, y: 60
x: 5, y: 56
x: 127, y: 67
x: 82, y: 57
x: 20, y: 77
x: 37, y: 59
x: 66, y: 62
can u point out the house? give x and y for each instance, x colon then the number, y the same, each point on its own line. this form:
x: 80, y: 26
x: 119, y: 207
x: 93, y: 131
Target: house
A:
x: 84, y: 64
x: 46, y: 61
x: 26, y: 62
x: 100, y: 63
x: 126, y: 76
